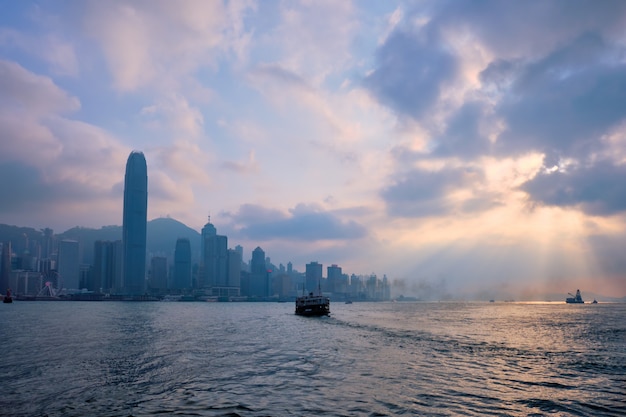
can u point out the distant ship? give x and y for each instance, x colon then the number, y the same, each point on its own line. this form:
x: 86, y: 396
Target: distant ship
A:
x: 313, y: 304
x: 575, y: 299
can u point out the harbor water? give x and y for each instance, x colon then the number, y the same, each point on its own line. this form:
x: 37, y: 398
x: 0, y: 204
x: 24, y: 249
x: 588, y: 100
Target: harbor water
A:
x: 259, y: 359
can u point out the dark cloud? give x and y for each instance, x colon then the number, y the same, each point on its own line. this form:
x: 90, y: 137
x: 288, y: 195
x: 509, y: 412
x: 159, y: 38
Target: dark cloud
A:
x: 26, y: 188
x: 411, y: 69
x: 565, y: 102
x: 599, y: 189
x: 302, y: 223
x: 556, y: 85
x: 422, y: 193
x: 274, y: 72
x: 463, y: 135
x: 529, y: 28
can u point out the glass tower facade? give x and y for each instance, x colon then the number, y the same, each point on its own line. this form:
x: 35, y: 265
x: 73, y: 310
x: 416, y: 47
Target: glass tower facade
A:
x: 134, y: 223
x: 182, y: 265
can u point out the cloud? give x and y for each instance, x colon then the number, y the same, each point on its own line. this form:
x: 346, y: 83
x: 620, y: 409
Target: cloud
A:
x: 420, y: 193
x: 55, y: 164
x: 174, y: 114
x: 26, y: 92
x: 410, y: 74
x: 160, y: 43
x: 303, y: 222
x: 565, y: 102
x: 598, y: 189
x: 312, y: 39
x: 58, y: 53
x: 250, y: 165
x: 467, y: 132
x: 484, y: 81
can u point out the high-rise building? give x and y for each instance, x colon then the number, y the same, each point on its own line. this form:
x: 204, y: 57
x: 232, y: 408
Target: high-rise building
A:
x: 5, y: 267
x: 234, y: 268
x: 158, y: 273
x: 259, y: 277
x: 135, y: 223
x: 107, y: 266
x: 313, y: 276
x: 214, y: 257
x: 182, y: 265
x: 68, y: 265
x: 334, y: 278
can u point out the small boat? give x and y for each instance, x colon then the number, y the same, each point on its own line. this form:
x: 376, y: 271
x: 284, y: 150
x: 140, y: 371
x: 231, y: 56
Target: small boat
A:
x: 594, y: 301
x: 348, y: 301
x: 575, y: 299
x: 313, y: 304
x: 8, y: 298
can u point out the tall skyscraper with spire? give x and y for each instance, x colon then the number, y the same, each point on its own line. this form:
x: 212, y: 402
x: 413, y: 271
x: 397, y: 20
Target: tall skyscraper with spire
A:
x: 135, y: 223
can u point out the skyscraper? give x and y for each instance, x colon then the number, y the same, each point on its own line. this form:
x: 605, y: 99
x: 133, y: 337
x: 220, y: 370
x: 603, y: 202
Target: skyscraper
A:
x: 334, y: 278
x: 215, y: 257
x: 182, y: 264
x: 158, y: 281
x: 259, y: 285
x: 134, y: 223
x: 68, y: 265
x: 313, y: 276
x: 107, y: 266
x: 5, y: 267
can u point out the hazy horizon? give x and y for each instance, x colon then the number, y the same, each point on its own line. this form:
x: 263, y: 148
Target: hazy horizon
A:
x: 469, y: 146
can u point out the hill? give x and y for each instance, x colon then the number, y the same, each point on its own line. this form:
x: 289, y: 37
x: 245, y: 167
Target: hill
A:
x: 160, y: 240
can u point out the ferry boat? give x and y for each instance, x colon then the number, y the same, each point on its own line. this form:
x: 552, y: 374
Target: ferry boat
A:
x: 8, y: 298
x: 313, y: 304
x: 575, y: 299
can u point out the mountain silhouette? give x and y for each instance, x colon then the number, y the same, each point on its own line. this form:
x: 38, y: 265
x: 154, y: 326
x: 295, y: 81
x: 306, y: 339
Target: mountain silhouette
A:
x: 162, y: 234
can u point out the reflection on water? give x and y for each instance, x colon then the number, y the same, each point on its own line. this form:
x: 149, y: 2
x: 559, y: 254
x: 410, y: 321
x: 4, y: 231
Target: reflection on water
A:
x: 110, y: 358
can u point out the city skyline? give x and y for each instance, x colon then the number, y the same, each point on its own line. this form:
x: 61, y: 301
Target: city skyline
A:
x: 460, y: 145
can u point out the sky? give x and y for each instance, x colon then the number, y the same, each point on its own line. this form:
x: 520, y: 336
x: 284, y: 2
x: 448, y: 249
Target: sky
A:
x: 463, y: 147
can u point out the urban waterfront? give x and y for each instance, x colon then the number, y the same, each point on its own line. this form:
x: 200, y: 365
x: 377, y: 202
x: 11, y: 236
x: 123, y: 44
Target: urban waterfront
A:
x: 258, y: 359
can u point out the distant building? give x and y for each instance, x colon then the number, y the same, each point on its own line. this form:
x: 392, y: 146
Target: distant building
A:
x: 259, y: 276
x: 158, y: 274
x: 107, y: 266
x: 334, y: 278
x: 5, y: 267
x: 234, y: 268
x: 239, y: 250
x: 68, y: 265
x: 135, y: 223
x: 182, y: 265
x: 214, y: 257
x: 313, y: 276
x: 85, y: 275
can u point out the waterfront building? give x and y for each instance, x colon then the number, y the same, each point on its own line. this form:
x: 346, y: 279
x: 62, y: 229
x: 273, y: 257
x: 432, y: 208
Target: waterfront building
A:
x: 85, y: 276
x: 334, y: 278
x: 313, y: 276
x: 182, y: 265
x: 158, y: 274
x: 107, y: 266
x: 234, y: 268
x: 68, y: 265
x: 5, y: 267
x: 259, y: 276
x: 214, y: 257
x: 134, y: 223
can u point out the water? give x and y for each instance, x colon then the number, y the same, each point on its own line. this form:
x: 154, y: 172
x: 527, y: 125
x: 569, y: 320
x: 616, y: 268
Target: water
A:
x: 259, y: 359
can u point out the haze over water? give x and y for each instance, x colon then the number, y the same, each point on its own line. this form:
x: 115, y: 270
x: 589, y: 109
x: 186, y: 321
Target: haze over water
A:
x: 256, y: 359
